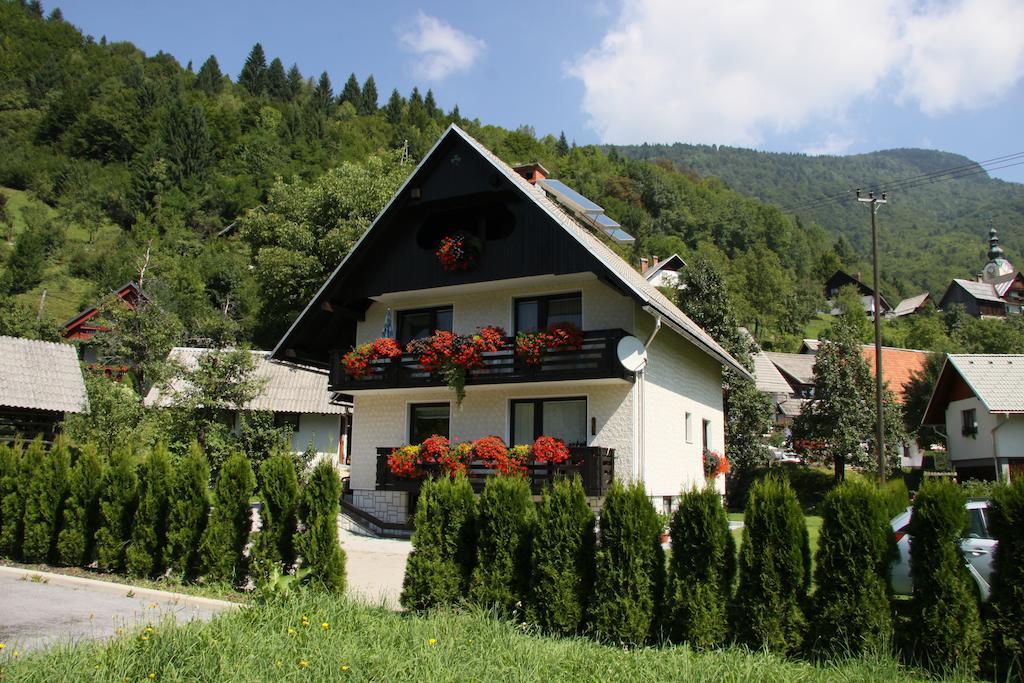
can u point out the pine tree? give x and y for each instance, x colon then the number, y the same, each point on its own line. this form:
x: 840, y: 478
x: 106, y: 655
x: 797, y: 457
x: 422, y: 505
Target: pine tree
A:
x: 562, y: 559
x: 562, y: 146
x: 275, y: 545
x: 368, y: 99
x: 44, y: 500
x: 1006, y: 625
x: 701, y: 570
x: 295, y: 82
x: 504, y: 516
x: 629, y: 569
x: 35, y: 7
x: 227, y: 531
x: 145, y: 554
x: 77, y: 540
x: 187, y: 141
x: 323, y: 95
x: 851, y: 602
x: 276, y: 80
x: 186, y: 520
x: 438, y: 569
x: 254, y: 71
x: 394, y: 108
x: 429, y: 105
x: 210, y: 79
x: 15, y: 472
x: 118, y: 502
x: 318, y: 543
x: 773, y: 577
x: 351, y: 93
x: 944, y: 611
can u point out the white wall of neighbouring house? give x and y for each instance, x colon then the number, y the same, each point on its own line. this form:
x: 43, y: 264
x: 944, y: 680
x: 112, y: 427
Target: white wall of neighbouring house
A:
x: 323, y: 431
x: 380, y: 419
x: 1010, y: 437
x: 679, y: 379
x: 963, y: 447
x: 603, y: 307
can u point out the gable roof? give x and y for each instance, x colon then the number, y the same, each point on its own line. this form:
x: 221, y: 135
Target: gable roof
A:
x: 797, y: 366
x: 675, y: 259
x: 652, y: 301
x: 41, y: 375
x: 767, y: 377
x: 841, y: 278
x: 910, y: 304
x: 898, y: 366
x: 982, y: 291
x: 1002, y: 284
x: 76, y: 329
x: 996, y: 379
x: 289, y: 388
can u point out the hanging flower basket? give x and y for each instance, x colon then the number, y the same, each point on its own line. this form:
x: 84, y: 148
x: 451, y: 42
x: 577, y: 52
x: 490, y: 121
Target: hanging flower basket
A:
x: 457, y: 252
x: 549, y: 449
x: 714, y: 464
x: 454, y: 355
x: 560, y: 336
x: 435, y: 456
x: 357, y: 363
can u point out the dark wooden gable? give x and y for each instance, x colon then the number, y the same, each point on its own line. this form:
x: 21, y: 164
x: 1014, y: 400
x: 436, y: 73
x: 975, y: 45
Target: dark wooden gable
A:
x: 456, y: 190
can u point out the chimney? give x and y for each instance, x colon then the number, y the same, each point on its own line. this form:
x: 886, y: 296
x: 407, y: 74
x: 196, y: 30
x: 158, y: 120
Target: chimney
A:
x: 654, y: 262
x: 532, y: 172
x: 643, y: 264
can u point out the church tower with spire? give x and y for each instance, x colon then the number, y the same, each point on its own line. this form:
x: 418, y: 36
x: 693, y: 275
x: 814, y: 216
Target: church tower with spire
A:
x: 997, y: 267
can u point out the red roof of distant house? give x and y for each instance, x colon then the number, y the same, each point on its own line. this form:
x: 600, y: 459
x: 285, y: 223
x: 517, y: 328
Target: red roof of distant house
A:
x: 898, y: 365
x: 80, y: 328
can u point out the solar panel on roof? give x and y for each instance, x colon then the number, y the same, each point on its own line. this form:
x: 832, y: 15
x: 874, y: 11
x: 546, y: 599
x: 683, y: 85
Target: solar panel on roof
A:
x: 606, y: 223
x: 622, y: 236
x: 570, y: 197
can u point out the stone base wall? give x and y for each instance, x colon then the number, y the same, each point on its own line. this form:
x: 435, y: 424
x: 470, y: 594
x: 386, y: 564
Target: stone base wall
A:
x: 387, y: 506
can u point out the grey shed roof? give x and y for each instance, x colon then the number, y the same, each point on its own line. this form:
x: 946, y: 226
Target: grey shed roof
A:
x: 982, y: 291
x: 997, y: 379
x: 41, y: 375
x: 799, y: 366
x: 768, y: 378
x: 289, y: 388
x: 909, y: 305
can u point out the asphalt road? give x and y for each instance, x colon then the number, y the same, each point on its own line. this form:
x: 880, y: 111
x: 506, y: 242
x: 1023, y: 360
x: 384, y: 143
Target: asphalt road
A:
x: 34, y: 614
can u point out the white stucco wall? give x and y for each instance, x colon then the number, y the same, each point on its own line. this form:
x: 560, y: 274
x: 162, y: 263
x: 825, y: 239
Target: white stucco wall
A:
x: 967, y: 447
x: 679, y: 379
x: 1010, y: 437
x: 381, y: 418
x: 603, y: 307
x: 323, y: 431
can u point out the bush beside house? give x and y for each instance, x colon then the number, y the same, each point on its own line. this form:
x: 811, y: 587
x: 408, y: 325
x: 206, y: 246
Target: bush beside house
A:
x: 188, y: 513
x: 318, y: 544
x: 230, y: 522
x: 505, y: 513
x: 117, y: 510
x: 77, y: 539
x: 44, y: 500
x: 145, y: 554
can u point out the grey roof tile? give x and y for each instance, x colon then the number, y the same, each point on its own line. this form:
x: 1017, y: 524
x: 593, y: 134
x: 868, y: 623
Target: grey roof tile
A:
x: 41, y: 375
x: 997, y: 379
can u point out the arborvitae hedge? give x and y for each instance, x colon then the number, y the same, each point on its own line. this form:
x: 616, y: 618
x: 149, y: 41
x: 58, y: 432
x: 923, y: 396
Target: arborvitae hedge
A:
x: 118, y: 502
x: 629, y: 569
x: 504, y: 516
x: 1006, y: 624
x: 895, y: 497
x: 230, y: 522
x: 945, y: 620
x: 768, y: 609
x: 438, y: 568
x: 76, y: 543
x: 187, y: 517
x: 851, y: 601
x: 700, y: 571
x: 44, y: 500
x: 13, y: 482
x: 562, y: 559
x: 145, y: 555
x: 275, y: 544
x: 318, y: 543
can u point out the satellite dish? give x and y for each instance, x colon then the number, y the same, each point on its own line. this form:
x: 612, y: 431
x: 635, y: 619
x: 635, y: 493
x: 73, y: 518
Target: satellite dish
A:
x: 632, y: 354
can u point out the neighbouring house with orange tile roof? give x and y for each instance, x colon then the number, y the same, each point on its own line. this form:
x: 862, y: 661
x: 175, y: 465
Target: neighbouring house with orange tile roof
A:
x: 898, y: 365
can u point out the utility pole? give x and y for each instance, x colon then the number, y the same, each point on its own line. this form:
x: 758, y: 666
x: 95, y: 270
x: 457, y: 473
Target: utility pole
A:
x: 42, y: 302
x: 874, y: 203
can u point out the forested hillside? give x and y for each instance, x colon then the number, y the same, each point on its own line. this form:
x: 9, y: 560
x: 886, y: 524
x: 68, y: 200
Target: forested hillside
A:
x: 931, y: 231
x: 239, y: 193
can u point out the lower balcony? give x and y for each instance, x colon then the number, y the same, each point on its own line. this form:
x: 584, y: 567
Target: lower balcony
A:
x: 595, y: 360
x: 594, y: 465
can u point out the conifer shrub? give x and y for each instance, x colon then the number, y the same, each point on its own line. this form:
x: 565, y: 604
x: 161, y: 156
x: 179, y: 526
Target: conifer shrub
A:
x: 504, y: 516
x: 700, y: 570
x: 851, y: 612
x: 77, y: 540
x: 944, y: 609
x: 321, y: 551
x: 1006, y: 604
x: 443, y: 549
x: 14, y: 477
x: 275, y: 544
x: 188, y: 513
x: 629, y: 571
x: 773, y: 565
x: 895, y: 497
x: 230, y: 522
x: 145, y: 554
x: 562, y: 559
x: 44, y: 499
x: 118, y: 501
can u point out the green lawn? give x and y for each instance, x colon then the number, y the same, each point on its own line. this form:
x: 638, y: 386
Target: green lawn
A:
x: 817, y: 325
x: 341, y: 640
x: 813, y: 529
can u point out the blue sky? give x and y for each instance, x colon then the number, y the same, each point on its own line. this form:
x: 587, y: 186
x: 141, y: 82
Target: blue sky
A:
x: 813, y: 77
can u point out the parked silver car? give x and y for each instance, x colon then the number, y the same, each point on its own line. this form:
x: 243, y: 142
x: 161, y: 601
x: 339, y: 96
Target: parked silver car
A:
x: 978, y: 548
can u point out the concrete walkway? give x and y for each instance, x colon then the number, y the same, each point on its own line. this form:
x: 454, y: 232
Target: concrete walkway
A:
x: 38, y: 609
x: 375, y: 567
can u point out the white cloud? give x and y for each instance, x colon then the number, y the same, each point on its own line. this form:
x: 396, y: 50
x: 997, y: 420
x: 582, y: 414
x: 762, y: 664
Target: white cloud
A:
x: 440, y: 49
x: 833, y: 144
x: 733, y: 72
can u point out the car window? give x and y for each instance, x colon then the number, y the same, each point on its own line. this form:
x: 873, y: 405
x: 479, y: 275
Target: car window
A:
x: 977, y: 528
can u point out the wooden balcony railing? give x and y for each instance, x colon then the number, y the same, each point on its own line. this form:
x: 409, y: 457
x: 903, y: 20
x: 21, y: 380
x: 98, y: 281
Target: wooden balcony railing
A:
x: 594, y: 465
x: 596, y: 360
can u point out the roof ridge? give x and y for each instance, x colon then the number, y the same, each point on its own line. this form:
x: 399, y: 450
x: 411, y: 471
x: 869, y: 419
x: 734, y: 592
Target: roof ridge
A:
x: 38, y: 341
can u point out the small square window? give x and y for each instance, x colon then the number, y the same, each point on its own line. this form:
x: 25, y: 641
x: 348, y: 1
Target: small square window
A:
x: 290, y: 420
x: 428, y: 419
x: 969, y: 422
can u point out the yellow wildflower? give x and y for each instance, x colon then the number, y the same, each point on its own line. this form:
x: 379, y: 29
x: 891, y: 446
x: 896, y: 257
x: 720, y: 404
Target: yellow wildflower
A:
x: 277, y: 663
x: 344, y: 667
x: 151, y: 605
x: 144, y: 637
x: 325, y: 626
x: 152, y: 674
x: 303, y: 663
x: 432, y: 642
x: 305, y: 620
x: 2, y: 645
x: 291, y: 631
x: 15, y: 653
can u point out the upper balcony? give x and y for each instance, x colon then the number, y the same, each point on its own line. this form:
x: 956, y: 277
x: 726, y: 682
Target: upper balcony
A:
x: 595, y: 360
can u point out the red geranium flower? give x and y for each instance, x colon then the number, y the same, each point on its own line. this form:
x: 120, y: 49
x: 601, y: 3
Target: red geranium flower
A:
x: 550, y: 449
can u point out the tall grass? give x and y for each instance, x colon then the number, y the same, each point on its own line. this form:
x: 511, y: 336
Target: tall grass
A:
x: 316, y: 637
